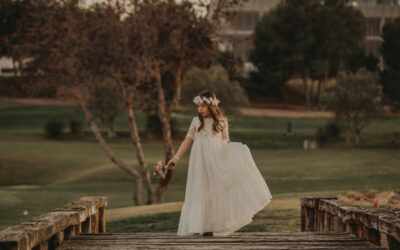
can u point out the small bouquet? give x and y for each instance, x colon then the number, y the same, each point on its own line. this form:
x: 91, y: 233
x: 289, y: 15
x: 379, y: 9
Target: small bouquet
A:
x: 160, y: 169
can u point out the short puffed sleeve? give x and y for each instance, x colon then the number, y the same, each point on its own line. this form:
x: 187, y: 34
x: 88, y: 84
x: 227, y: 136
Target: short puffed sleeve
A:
x: 192, y: 129
x: 225, y: 130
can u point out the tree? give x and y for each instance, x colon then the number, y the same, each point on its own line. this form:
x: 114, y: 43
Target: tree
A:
x: 176, y: 39
x: 71, y: 50
x: 305, y: 38
x: 274, y: 49
x: 355, y: 100
x: 17, y: 19
x: 11, y: 13
x: 215, y: 79
x: 106, y: 103
x: 358, y: 59
x: 145, y: 48
x: 390, y: 50
x: 233, y: 65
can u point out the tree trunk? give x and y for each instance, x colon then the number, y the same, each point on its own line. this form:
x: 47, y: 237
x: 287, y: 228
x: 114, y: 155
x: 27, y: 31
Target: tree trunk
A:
x: 312, y: 93
x: 319, y: 94
x: 131, y: 171
x: 139, y: 153
x: 348, y: 131
x: 285, y: 95
x: 166, y: 131
x: 357, y: 138
x: 20, y: 67
x: 14, y: 67
x: 306, y: 92
x: 110, y: 129
x: 136, y: 139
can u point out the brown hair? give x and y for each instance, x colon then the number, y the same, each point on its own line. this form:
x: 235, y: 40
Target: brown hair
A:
x: 215, y: 112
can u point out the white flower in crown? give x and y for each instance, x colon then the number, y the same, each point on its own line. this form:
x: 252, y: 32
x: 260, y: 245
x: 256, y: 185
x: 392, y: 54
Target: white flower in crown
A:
x: 213, y: 101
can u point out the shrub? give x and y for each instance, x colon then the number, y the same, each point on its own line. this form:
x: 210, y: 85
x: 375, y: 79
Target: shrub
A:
x: 54, y: 128
x: 328, y: 132
x: 355, y: 100
x: 75, y: 127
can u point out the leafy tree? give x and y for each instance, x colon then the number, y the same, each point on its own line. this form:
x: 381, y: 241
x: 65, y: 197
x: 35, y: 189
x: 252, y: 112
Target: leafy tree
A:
x: 233, y: 65
x: 358, y: 59
x: 390, y: 50
x: 215, y: 79
x: 17, y: 19
x: 307, y: 38
x: 355, y: 100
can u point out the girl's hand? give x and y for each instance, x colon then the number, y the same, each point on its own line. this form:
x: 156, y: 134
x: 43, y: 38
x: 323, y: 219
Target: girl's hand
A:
x: 171, y: 164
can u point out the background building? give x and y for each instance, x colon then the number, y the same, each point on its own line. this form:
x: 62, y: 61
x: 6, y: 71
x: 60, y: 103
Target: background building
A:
x: 237, y: 31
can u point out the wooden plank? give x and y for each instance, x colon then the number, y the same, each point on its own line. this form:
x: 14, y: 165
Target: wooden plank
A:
x: 238, y: 240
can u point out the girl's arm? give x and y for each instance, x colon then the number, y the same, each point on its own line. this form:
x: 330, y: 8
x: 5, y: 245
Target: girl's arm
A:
x: 185, y: 144
x: 225, y: 131
x: 181, y: 151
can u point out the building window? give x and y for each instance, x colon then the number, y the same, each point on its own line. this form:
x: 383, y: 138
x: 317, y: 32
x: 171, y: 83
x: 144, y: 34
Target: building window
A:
x: 239, y: 45
x: 373, y: 24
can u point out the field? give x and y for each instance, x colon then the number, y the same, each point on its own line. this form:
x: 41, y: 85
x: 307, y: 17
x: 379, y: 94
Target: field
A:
x: 38, y: 174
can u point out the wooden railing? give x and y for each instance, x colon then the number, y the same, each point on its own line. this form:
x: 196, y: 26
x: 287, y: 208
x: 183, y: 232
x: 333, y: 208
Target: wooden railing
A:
x: 48, y: 231
x: 380, y: 226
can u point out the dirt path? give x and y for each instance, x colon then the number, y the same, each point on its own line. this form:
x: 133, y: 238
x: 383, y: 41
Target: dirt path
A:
x: 291, y: 113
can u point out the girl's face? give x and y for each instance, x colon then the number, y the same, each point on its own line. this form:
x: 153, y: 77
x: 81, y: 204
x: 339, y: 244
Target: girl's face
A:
x: 202, y: 108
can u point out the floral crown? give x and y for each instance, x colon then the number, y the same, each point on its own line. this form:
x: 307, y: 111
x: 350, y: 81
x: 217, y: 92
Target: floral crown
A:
x: 209, y: 100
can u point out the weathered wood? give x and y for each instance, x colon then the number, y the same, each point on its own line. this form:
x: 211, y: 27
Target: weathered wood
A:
x: 94, y: 222
x: 51, y: 228
x: 377, y: 225
x: 102, y: 220
x: 237, y: 240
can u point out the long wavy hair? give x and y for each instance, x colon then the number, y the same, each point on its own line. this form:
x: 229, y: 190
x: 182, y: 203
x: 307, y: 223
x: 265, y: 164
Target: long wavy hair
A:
x: 215, y: 113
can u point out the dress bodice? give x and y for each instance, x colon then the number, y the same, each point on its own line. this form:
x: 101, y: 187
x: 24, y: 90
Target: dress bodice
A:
x: 207, y: 130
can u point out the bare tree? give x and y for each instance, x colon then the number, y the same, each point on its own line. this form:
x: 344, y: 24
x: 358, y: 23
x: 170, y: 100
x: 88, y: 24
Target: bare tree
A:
x: 144, y: 47
x: 65, y: 55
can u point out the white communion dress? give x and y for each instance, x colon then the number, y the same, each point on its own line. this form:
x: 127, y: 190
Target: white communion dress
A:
x: 224, y: 188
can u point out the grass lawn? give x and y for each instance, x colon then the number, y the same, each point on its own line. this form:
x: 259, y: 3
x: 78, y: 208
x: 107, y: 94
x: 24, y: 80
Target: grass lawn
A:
x: 68, y: 168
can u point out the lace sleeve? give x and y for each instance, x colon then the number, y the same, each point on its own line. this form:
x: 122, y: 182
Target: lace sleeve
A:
x: 192, y: 129
x: 225, y: 131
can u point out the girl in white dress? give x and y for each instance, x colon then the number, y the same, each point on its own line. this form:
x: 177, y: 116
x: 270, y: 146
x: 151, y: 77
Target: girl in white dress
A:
x: 224, y: 187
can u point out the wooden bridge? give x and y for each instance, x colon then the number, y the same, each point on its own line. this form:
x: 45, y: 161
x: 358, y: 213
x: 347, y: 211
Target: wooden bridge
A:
x: 325, y: 224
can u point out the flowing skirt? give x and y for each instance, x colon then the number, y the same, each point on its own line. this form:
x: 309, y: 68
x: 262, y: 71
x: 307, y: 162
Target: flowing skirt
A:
x: 224, y: 188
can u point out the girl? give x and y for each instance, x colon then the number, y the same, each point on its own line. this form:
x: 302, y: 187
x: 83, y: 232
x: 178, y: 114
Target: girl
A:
x: 224, y: 187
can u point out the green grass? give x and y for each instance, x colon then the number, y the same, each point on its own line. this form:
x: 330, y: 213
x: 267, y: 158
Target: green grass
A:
x: 282, y: 220
x: 71, y: 167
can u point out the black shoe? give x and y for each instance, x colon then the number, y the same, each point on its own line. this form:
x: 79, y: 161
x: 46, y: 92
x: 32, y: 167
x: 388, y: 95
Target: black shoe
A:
x: 208, y: 234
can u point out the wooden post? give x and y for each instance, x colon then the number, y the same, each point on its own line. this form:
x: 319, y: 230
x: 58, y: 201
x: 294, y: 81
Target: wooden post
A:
x: 384, y: 241
x: 102, y: 221
x: 303, y: 220
x: 321, y: 218
x: 94, y: 222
